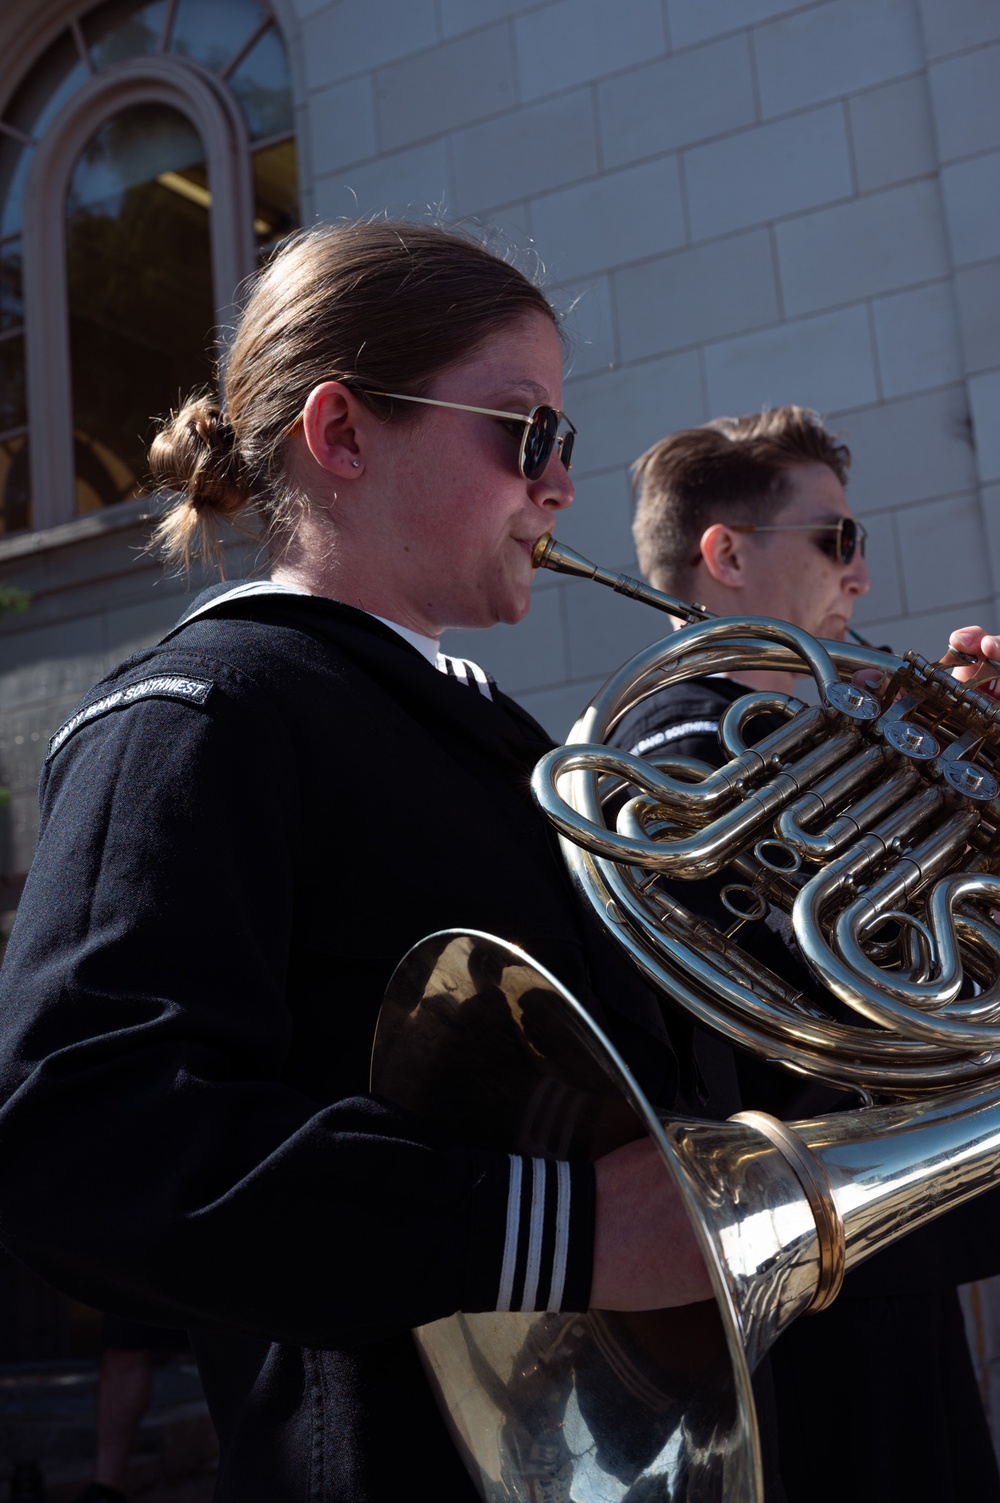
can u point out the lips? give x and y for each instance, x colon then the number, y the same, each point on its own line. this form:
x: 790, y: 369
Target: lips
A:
x: 530, y: 544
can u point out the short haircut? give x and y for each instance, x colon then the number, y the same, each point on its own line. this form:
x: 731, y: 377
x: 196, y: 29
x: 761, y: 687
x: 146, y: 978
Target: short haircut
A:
x: 731, y: 470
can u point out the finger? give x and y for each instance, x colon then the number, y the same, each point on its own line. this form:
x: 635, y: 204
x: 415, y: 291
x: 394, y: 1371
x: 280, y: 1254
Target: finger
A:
x: 967, y: 639
x: 867, y: 678
x: 974, y: 656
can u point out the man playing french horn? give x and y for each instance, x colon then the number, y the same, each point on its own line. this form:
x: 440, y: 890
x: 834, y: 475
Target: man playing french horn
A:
x: 750, y: 517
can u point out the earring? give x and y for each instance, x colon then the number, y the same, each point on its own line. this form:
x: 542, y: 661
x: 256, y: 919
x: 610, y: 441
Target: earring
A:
x: 355, y: 464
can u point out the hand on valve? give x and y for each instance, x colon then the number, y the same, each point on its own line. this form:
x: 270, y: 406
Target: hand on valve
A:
x: 983, y: 651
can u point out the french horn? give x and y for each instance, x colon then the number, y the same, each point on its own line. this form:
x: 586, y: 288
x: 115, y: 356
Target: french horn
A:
x: 870, y: 816
x: 885, y: 798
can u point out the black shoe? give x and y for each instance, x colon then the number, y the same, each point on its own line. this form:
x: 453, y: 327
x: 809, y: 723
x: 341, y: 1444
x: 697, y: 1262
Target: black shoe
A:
x: 100, y: 1492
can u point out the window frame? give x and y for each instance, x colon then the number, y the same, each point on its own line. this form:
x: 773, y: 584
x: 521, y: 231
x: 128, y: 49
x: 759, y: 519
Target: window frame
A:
x: 198, y: 94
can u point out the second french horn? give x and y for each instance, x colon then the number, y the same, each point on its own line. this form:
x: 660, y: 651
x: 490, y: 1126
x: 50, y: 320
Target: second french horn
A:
x: 870, y: 817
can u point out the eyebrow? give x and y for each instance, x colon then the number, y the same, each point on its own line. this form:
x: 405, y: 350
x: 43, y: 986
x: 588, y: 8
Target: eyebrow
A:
x: 527, y: 388
x: 824, y: 519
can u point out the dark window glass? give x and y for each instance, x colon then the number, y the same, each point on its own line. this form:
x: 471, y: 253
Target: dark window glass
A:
x: 214, y: 33
x: 59, y: 73
x: 263, y: 87
x: 138, y: 145
x: 11, y: 305
x: 276, y: 193
x: 13, y: 411
x: 15, y: 507
x: 124, y: 28
x: 140, y: 292
x: 14, y: 162
x: 102, y: 477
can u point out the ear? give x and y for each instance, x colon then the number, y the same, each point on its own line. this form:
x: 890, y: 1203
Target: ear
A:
x: 331, y: 420
x: 722, y: 553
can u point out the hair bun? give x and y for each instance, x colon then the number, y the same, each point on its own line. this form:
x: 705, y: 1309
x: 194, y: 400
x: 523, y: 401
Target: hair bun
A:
x: 196, y: 453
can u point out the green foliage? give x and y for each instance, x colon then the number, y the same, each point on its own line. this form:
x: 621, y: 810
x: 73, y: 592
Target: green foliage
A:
x: 13, y: 602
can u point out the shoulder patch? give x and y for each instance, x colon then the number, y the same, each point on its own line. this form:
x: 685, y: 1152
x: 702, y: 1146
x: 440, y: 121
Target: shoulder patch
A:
x: 163, y: 685
x: 674, y: 733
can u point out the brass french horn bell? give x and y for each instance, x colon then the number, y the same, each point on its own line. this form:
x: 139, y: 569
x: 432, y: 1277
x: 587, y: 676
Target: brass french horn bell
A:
x: 655, y: 1406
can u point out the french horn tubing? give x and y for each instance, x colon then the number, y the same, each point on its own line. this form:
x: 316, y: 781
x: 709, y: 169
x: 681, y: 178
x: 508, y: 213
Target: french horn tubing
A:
x: 870, y: 817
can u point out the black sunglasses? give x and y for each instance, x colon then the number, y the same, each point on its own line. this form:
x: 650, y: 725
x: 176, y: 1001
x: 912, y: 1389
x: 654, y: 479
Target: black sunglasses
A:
x: 849, y: 536
x: 540, y: 438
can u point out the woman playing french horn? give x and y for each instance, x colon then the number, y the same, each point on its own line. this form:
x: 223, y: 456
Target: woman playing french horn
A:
x: 244, y: 828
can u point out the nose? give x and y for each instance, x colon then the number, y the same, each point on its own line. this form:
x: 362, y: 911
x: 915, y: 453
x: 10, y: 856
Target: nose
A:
x: 857, y: 580
x: 553, y: 488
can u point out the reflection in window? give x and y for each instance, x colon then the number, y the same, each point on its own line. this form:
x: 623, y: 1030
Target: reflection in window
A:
x: 276, y: 199
x: 11, y: 305
x: 214, y: 34
x: 101, y: 477
x: 262, y: 85
x: 14, y: 162
x: 12, y: 406
x: 58, y: 74
x: 14, y: 509
x: 121, y: 29
x: 15, y: 512
x: 140, y: 292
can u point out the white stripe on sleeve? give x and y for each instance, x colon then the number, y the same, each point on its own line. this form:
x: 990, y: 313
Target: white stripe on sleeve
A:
x: 536, y: 1236
x: 536, y: 1227
x: 510, y: 1241
x: 561, y: 1252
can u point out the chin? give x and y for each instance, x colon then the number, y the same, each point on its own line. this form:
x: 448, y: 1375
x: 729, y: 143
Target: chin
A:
x: 513, y: 611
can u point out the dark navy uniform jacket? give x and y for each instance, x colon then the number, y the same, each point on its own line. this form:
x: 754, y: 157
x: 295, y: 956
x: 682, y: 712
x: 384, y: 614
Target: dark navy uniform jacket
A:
x: 243, y: 830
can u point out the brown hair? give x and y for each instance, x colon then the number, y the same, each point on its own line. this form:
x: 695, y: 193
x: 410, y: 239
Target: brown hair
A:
x: 732, y: 469
x: 374, y: 304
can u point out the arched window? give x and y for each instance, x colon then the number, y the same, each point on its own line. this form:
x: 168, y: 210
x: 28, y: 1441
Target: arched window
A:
x: 146, y: 161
